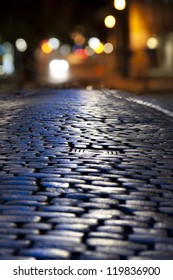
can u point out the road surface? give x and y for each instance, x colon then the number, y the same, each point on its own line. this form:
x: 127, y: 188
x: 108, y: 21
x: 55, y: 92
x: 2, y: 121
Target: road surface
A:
x: 85, y: 174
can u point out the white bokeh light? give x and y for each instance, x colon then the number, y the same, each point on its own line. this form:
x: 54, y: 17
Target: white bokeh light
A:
x: 108, y: 48
x: 65, y: 50
x: 58, y: 66
x: 54, y: 42
x: 94, y: 42
x: 120, y: 4
x: 21, y: 45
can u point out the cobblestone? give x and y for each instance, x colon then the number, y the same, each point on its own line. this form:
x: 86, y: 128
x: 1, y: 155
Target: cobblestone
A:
x: 46, y: 253
x: 84, y: 175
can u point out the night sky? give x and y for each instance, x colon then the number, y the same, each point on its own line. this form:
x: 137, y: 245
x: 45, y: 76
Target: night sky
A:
x: 38, y: 19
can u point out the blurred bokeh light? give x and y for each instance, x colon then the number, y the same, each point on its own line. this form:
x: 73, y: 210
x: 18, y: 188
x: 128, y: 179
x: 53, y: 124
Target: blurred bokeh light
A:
x: 108, y: 48
x: 46, y: 47
x: 120, y: 4
x: 100, y: 40
x: 94, y: 43
x: 21, y: 45
x: 54, y: 43
x: 110, y: 21
x: 58, y: 66
x: 152, y: 43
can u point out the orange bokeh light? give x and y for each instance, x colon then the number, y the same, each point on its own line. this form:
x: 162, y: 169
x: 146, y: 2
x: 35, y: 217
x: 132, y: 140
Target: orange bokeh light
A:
x: 46, y: 47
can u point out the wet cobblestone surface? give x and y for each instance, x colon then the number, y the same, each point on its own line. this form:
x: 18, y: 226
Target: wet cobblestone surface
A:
x: 84, y: 175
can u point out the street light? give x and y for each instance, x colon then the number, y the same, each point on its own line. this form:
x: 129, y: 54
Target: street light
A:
x: 120, y: 4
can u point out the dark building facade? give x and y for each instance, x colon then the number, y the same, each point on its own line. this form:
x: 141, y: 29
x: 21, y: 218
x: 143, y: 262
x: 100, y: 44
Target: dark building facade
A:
x: 151, y: 37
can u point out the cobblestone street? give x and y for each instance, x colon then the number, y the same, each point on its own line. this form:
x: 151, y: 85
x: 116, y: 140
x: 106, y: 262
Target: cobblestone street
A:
x: 84, y: 175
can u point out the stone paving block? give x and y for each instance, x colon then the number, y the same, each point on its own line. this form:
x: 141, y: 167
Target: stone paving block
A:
x: 26, y: 203
x: 15, y: 244
x: 46, y: 253
x: 19, y: 218
x: 152, y: 214
x: 6, y: 235
x: 79, y: 195
x: 72, y: 220
x: 150, y: 238
x: 16, y: 207
x: 62, y: 180
x: 157, y: 255
x: 139, y: 258
x: 117, y: 251
x: 90, y: 255
x: 53, y: 239
x: 71, y: 247
x: 110, y: 243
x: 19, y: 180
x: 90, y: 178
x: 56, y: 192
x: 23, y: 197
x: 69, y: 233
x: 100, y: 188
x: 102, y: 214
x: 121, y: 196
x: 73, y: 227
x: 15, y: 192
x: 40, y: 226
x: 18, y: 231
x: 13, y: 257
x: 157, y: 232
x: 133, y: 207
x: 92, y: 205
x: 164, y: 247
x: 110, y: 229
x: 60, y: 201
x: 63, y: 208
x: 106, y: 184
x: 167, y: 210
x: 18, y: 187
x: 168, y: 225
x: 5, y: 252
x: 107, y: 201
x: 7, y: 224
x: 40, y: 214
x: 141, y: 203
x: 127, y: 223
x: 105, y: 234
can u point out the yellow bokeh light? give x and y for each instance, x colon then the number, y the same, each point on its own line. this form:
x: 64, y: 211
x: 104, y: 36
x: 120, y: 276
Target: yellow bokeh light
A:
x: 110, y: 21
x: 99, y: 49
x: 46, y: 48
x: 138, y: 24
x: 120, y: 4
